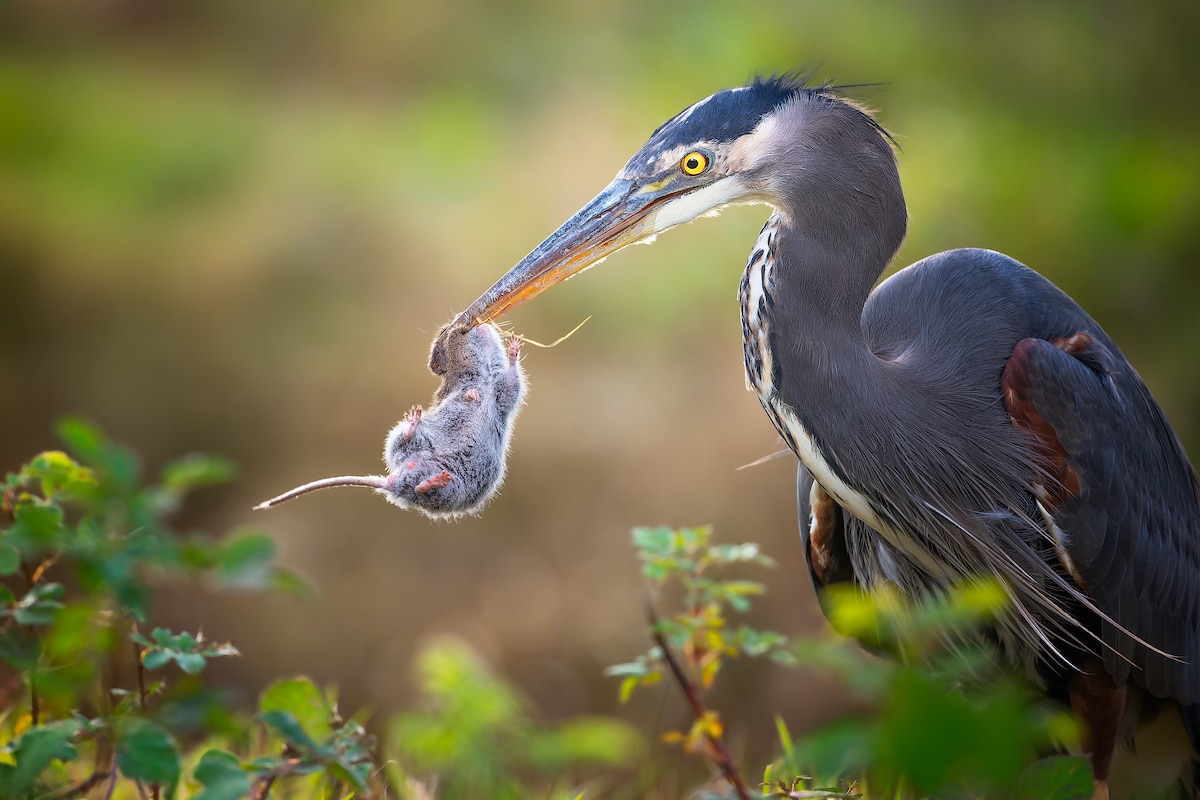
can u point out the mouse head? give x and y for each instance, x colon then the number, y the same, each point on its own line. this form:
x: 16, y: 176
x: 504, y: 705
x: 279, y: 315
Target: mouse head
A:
x: 461, y: 349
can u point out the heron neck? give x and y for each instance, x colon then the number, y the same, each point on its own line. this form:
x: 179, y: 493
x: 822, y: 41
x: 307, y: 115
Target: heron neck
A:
x: 822, y: 365
x: 821, y: 284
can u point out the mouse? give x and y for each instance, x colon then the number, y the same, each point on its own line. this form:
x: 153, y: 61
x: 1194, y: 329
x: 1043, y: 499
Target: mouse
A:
x: 449, y: 459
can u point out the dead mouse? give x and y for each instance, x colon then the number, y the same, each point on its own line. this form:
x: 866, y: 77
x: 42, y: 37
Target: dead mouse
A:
x: 449, y: 459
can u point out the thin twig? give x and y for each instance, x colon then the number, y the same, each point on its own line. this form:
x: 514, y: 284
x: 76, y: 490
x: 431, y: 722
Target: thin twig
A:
x: 141, y: 672
x: 34, y: 705
x: 112, y: 777
x: 84, y: 786
x: 720, y: 753
x: 45, y: 564
x: 262, y: 788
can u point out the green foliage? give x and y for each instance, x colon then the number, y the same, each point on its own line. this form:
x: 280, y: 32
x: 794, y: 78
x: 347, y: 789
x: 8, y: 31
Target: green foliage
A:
x: 917, y: 739
x: 92, y: 525
x: 83, y: 543
x: 97, y: 529
x: 476, y: 732
x: 685, y: 557
x: 978, y: 739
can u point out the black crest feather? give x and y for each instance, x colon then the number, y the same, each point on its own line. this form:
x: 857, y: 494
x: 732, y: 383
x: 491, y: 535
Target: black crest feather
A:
x: 733, y: 113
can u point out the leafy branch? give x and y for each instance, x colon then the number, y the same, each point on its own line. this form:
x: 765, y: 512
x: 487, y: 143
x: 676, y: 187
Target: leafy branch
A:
x: 699, y: 631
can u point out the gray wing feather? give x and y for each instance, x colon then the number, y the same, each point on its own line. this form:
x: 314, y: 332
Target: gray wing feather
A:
x: 1133, y: 528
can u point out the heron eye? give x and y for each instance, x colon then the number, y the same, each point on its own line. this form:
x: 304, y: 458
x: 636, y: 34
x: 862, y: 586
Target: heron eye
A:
x: 694, y: 163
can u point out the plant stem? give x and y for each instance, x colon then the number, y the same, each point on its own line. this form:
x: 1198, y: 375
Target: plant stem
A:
x: 34, y: 705
x: 719, y: 753
x: 85, y: 785
x: 141, y: 673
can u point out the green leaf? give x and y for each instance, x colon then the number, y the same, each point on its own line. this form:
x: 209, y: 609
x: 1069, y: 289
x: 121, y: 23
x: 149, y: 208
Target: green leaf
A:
x: 843, y: 747
x: 59, y: 473
x: 585, y: 740
x: 38, y: 614
x: 36, y: 527
x: 290, y: 729
x: 146, y: 752
x: 1056, y: 778
x: 19, y: 649
x: 41, y: 605
x: 285, y: 581
x: 222, y: 776
x: 785, y: 740
x: 35, y: 750
x: 82, y: 437
x: 191, y: 663
x: 652, y: 541
x: 115, y: 463
x: 10, y: 559
x: 755, y: 643
x: 79, y: 635
x: 156, y: 659
x: 47, y: 592
x: 633, y: 668
x: 300, y: 698
x: 355, y: 773
x: 196, y: 470
x: 245, y: 561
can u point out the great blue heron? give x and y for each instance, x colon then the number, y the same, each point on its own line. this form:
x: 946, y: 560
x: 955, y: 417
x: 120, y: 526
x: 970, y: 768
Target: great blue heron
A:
x: 964, y: 417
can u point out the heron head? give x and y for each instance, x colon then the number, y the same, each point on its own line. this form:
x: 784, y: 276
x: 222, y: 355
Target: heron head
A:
x: 737, y: 146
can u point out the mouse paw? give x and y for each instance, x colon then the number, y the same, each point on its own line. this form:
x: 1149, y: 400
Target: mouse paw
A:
x: 471, y: 394
x: 435, y: 482
x: 411, y: 418
x: 514, y: 348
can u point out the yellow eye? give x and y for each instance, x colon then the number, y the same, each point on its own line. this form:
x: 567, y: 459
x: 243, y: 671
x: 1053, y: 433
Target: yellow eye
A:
x: 694, y: 163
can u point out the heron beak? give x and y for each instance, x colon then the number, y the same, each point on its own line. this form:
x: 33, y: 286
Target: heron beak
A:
x: 621, y: 215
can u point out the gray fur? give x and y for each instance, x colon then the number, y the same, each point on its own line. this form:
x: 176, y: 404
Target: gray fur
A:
x: 462, y: 439
x: 449, y: 460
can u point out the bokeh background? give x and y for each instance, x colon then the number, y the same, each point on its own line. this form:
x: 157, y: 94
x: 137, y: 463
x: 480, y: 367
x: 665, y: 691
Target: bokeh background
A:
x: 234, y: 227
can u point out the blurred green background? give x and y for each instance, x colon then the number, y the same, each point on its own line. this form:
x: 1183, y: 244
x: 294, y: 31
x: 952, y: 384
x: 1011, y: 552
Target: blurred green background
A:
x: 234, y: 226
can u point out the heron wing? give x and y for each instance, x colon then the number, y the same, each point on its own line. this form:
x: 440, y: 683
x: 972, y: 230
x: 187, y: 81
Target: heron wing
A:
x: 1124, y: 500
